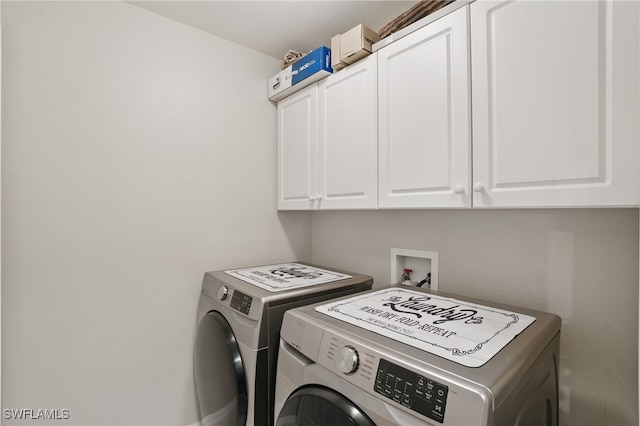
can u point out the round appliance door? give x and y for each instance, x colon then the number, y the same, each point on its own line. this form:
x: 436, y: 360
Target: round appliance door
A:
x: 316, y: 405
x: 220, y: 380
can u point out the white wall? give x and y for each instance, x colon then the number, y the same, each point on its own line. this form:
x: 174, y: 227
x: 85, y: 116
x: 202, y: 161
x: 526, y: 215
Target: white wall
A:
x: 137, y: 153
x: 0, y: 204
x: 579, y: 264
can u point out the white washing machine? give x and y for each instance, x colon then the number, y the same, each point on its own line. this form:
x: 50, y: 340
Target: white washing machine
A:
x: 240, y: 313
x: 407, y: 356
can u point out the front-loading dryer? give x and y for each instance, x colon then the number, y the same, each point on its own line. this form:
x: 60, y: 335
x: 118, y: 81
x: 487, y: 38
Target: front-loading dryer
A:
x: 407, y: 356
x: 240, y: 313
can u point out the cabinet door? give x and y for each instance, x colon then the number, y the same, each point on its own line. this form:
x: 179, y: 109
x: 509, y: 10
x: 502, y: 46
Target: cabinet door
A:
x: 348, y: 138
x: 555, y: 103
x: 297, y: 145
x: 424, y: 117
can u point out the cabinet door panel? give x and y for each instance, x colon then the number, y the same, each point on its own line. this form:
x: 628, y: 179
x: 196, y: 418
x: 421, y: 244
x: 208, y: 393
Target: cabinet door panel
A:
x: 424, y: 117
x: 544, y: 100
x: 348, y: 144
x: 297, y: 145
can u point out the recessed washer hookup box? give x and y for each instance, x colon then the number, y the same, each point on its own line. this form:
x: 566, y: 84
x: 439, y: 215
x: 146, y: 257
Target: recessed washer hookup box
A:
x: 312, y: 67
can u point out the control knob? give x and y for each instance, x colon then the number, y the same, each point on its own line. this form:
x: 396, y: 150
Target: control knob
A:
x: 347, y: 360
x: 223, y: 291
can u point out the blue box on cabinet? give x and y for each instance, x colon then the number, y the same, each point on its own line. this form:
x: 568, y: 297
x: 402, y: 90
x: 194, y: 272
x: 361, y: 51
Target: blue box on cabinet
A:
x: 312, y: 67
x: 316, y: 63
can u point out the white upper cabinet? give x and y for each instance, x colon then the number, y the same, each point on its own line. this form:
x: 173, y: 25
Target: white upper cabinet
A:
x: 348, y: 138
x: 424, y: 119
x: 499, y: 104
x: 555, y: 103
x: 328, y: 142
x: 297, y: 148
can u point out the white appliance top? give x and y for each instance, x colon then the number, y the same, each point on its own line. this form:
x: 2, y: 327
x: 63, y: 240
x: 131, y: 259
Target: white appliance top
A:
x: 466, y: 333
x: 285, y: 276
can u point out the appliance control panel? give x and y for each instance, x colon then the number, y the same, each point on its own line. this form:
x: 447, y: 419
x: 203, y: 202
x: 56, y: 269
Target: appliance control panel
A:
x: 411, y: 390
x: 224, y: 294
x: 241, y: 302
x: 414, y: 391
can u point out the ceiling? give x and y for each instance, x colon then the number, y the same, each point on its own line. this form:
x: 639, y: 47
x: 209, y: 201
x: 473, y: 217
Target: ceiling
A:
x: 274, y: 27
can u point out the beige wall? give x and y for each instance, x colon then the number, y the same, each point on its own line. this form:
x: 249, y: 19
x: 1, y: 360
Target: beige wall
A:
x: 137, y: 153
x: 580, y: 264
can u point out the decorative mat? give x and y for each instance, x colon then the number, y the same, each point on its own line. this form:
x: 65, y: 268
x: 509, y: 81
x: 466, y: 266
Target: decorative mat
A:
x: 285, y: 276
x: 466, y: 333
